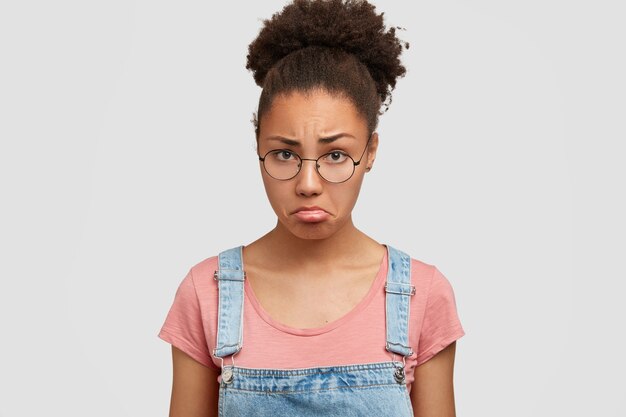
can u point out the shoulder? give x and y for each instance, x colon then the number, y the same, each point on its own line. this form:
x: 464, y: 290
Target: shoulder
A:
x: 421, y: 272
x: 201, y: 275
x: 429, y: 280
x: 431, y: 286
x: 204, y: 268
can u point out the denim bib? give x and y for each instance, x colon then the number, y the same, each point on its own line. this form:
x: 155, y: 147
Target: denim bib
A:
x: 376, y: 389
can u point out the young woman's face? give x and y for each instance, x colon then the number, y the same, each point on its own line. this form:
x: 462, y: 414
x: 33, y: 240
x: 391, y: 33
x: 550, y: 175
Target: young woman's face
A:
x: 296, y: 123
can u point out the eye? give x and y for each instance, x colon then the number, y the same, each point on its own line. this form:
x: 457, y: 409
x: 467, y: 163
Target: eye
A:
x: 283, y: 155
x: 335, y: 157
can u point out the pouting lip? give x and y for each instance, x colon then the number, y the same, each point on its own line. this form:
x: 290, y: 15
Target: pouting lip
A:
x: 308, y: 208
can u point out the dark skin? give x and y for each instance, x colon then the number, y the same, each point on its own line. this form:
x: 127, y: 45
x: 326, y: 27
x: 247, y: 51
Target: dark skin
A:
x: 432, y: 392
x: 194, y: 388
x: 325, y: 268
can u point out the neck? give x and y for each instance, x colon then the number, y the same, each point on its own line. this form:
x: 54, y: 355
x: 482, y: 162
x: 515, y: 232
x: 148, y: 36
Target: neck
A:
x: 346, y: 245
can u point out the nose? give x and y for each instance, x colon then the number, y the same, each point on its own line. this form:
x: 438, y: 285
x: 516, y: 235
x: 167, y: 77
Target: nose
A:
x: 308, y: 181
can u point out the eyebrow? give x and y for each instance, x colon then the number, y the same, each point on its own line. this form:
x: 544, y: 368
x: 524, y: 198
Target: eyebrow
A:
x: 328, y: 139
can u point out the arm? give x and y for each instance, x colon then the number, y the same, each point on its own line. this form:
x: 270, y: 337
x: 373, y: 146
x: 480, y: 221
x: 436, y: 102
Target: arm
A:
x: 432, y: 392
x: 195, y: 388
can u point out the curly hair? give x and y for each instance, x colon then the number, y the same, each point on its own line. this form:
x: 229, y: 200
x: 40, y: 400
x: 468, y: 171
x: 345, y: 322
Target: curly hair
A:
x: 341, y: 46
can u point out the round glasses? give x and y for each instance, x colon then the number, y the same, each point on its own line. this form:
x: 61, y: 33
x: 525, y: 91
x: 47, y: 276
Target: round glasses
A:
x: 335, y: 166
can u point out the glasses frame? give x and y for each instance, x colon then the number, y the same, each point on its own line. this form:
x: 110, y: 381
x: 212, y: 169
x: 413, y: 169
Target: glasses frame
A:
x: 317, y: 165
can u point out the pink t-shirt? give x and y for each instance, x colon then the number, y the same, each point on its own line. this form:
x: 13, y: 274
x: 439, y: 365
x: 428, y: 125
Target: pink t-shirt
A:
x: 357, y: 337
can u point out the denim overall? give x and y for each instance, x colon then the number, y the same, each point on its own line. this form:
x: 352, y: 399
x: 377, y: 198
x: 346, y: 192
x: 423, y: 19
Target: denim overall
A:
x: 369, y: 389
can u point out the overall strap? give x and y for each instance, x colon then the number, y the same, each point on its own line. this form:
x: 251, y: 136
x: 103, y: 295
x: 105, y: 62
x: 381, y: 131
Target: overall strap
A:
x: 398, y: 290
x: 230, y: 283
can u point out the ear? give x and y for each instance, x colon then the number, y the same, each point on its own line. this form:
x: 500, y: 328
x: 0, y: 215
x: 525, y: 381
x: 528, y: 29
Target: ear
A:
x: 371, y: 151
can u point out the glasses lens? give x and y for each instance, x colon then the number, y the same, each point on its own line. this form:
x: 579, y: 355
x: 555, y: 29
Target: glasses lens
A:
x: 336, y: 166
x: 282, y: 164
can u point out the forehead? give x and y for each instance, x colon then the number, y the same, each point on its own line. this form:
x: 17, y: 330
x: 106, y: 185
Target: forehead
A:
x: 311, y: 113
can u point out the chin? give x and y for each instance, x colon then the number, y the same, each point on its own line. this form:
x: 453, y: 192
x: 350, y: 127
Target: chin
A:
x: 311, y: 234
x: 312, y: 231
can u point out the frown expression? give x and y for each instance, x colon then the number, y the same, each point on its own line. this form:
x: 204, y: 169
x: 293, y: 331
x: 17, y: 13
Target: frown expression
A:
x: 296, y: 122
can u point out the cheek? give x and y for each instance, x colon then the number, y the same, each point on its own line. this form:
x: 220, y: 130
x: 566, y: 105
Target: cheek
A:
x: 276, y: 192
x: 345, y: 197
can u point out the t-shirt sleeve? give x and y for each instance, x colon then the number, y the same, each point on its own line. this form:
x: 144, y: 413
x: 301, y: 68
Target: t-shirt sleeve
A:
x: 441, y: 325
x: 183, y: 326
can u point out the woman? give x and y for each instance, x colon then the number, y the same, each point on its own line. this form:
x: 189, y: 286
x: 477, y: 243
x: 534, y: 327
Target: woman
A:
x: 315, y: 318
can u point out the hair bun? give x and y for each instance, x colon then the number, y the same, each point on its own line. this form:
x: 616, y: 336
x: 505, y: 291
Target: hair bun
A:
x: 350, y: 25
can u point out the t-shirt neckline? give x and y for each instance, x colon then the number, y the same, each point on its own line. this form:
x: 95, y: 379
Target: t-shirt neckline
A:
x: 361, y: 305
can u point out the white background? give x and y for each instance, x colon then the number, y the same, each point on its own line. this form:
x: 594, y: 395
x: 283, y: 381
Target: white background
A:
x: 127, y: 156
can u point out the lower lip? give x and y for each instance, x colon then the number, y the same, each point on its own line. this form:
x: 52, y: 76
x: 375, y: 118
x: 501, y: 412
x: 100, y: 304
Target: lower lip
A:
x: 312, y: 215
